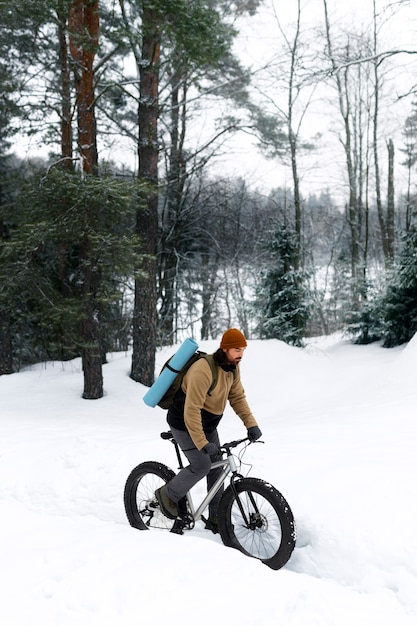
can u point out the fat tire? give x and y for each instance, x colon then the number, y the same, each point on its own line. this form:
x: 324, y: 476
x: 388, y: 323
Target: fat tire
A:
x: 273, y: 541
x: 140, y: 487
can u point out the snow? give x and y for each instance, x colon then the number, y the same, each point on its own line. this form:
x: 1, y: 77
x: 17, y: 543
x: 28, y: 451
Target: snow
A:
x: 340, y: 433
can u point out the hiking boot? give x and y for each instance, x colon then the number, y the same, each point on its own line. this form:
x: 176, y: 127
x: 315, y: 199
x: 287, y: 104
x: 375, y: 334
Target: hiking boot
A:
x: 211, y: 524
x: 168, y: 507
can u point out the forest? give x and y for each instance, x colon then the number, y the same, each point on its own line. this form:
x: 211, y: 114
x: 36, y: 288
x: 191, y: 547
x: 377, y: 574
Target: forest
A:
x: 121, y: 228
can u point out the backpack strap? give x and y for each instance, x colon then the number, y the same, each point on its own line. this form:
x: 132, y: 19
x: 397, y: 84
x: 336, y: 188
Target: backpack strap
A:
x: 214, y: 372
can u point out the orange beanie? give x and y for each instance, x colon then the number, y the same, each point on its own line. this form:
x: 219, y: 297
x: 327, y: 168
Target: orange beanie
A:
x: 233, y: 338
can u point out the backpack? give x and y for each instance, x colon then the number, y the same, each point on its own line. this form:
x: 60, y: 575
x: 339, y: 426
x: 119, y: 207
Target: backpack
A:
x: 168, y: 397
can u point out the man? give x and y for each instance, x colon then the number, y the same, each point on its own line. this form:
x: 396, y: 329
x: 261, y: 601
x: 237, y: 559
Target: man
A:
x: 194, y: 417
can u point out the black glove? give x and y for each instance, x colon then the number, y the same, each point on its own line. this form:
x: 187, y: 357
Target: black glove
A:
x: 254, y: 432
x: 211, y: 449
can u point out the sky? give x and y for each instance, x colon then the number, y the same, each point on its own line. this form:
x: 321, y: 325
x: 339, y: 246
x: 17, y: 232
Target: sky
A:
x: 340, y: 440
x: 259, y: 44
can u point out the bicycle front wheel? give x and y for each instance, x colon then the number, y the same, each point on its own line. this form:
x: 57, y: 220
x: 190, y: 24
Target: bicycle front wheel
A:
x: 255, y: 518
x: 141, y: 507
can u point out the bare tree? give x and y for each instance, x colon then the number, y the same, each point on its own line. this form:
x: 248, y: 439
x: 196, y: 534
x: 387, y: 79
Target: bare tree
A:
x: 280, y: 128
x: 386, y: 221
x: 390, y: 203
x: 293, y: 92
x: 351, y: 110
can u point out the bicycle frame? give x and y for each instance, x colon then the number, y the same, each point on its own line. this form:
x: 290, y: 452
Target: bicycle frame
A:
x: 229, y: 468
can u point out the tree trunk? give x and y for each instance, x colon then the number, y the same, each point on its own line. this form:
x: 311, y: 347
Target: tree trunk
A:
x: 391, y: 205
x: 6, y: 360
x: 84, y: 32
x: 383, y: 225
x: 167, y: 261
x: 66, y: 109
x: 91, y: 352
x: 83, y: 24
x: 171, y: 218
x: 66, y: 161
x: 353, y: 208
x: 145, y: 314
x: 208, y: 279
x: 292, y: 137
x: 380, y: 210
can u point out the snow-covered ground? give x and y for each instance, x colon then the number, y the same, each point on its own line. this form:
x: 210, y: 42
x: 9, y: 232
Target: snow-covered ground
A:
x: 340, y: 432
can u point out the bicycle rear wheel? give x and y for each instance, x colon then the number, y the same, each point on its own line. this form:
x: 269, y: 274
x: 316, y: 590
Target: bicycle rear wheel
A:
x: 255, y: 518
x: 141, y: 506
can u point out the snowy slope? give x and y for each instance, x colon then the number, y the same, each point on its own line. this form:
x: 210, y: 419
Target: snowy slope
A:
x: 340, y: 432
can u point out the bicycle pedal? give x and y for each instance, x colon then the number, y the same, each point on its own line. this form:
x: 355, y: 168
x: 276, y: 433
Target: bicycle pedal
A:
x: 178, y: 527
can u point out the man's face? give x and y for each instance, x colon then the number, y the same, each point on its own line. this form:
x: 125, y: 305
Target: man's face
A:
x: 234, y: 355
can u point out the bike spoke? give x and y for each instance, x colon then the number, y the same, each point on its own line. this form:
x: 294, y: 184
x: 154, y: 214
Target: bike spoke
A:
x: 141, y: 506
x: 260, y: 533
x: 256, y: 519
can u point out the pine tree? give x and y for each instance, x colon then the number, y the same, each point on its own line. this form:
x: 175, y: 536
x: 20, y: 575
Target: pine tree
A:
x: 50, y: 304
x: 283, y: 292
x: 400, y: 302
x: 8, y: 111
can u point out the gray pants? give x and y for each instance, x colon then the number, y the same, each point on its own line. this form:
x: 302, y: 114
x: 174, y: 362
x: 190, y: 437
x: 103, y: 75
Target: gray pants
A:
x: 199, y: 467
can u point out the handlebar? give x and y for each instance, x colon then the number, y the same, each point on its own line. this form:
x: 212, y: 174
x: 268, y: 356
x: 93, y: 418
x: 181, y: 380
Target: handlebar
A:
x: 225, y: 447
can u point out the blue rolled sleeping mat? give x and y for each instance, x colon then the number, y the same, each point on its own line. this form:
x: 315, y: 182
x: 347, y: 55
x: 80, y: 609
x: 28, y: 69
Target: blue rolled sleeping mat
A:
x: 167, y: 376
